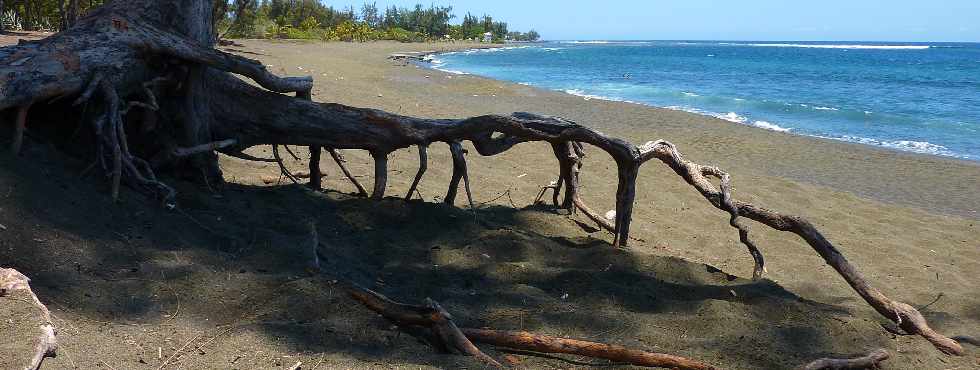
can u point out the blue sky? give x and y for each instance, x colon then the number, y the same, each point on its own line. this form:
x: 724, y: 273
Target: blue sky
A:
x: 865, y: 20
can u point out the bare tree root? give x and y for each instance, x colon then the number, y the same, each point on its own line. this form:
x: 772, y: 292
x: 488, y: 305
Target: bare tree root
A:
x: 282, y: 167
x: 316, y: 182
x: 47, y: 344
x: 904, y: 315
x: 111, y: 133
x: 459, y: 173
x: 340, y: 126
x: 290, y: 151
x: 20, y: 126
x: 592, y: 215
x: 380, y: 174
x: 554, y: 186
x: 423, y: 166
x: 342, y: 163
x: 204, y: 148
x: 869, y: 361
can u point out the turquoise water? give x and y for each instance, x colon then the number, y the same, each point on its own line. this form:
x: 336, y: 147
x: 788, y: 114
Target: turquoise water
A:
x: 919, y: 97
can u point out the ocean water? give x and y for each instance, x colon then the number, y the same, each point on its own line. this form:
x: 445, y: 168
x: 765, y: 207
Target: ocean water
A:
x: 918, y: 97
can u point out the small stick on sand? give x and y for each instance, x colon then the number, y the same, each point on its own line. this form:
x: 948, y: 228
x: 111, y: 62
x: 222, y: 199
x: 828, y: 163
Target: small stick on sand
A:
x: 179, y: 350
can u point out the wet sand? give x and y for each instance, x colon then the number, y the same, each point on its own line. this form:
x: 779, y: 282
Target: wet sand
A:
x: 128, y: 280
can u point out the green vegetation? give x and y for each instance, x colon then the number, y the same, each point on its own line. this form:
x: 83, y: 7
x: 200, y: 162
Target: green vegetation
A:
x: 291, y: 19
x: 309, y: 19
x: 42, y: 15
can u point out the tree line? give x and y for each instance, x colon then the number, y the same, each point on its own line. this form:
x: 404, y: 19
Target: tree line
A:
x: 294, y: 19
x: 43, y: 15
x: 309, y: 19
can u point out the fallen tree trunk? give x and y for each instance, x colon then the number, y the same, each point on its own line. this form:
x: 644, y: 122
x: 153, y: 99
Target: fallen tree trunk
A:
x: 155, y: 57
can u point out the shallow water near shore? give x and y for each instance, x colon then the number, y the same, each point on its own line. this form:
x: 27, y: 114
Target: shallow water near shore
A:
x: 917, y: 97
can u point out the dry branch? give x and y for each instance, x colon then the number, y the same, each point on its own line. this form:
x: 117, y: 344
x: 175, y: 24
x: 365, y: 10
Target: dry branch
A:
x: 436, y: 318
x: 423, y: 166
x: 283, y: 171
x: 869, y: 361
x: 47, y: 345
x: 907, y: 317
x: 342, y: 163
x: 547, y: 344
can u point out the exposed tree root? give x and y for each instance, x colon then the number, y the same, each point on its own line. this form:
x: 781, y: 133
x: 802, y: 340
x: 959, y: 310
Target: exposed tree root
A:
x: 423, y: 166
x: 47, y: 344
x: 316, y: 182
x: 204, y: 148
x: 459, y: 173
x: 20, y: 126
x: 869, y: 361
x: 907, y: 317
x: 124, y: 47
x: 282, y: 167
x: 380, y: 174
x: 342, y: 163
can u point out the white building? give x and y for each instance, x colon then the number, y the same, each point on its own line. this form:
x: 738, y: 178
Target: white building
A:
x: 488, y: 37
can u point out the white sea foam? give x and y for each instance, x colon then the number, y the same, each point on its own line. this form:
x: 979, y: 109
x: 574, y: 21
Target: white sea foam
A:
x: 832, y: 46
x: 770, y: 126
x: 826, y: 108
x: 488, y: 50
x: 584, y: 95
x: 732, y: 117
x: 587, y: 96
x: 923, y: 147
x: 584, y: 42
x: 455, y: 72
x: 603, y: 42
x: 690, y: 94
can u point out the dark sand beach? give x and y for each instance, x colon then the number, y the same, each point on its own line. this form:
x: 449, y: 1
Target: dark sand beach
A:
x: 222, y: 282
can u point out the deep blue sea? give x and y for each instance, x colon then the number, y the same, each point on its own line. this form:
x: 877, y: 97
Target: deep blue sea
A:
x: 919, y: 97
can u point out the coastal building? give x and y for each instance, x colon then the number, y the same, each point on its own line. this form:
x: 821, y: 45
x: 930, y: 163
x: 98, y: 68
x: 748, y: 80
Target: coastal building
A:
x: 488, y: 37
